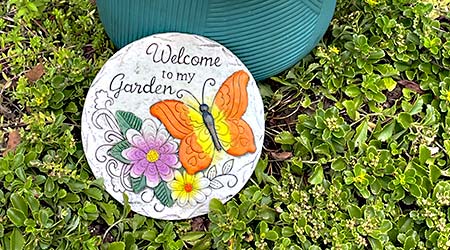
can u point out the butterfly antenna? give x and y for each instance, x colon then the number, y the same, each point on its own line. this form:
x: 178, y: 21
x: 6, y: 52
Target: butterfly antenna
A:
x: 211, y: 82
x: 180, y: 95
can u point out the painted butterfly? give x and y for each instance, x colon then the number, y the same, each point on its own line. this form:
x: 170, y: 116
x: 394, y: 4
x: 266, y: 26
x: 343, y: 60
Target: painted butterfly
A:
x: 207, y: 129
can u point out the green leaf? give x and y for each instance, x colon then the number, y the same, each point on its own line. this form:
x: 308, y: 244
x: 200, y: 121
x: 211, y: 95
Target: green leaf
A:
x: 94, y: 193
x: 361, y: 133
x: 351, y: 106
x: 260, y: 168
x: 128, y: 120
x: 117, y: 246
x: 217, y: 206
x: 410, y: 243
x: 50, y: 188
x: 415, y: 190
x: 424, y: 154
x: 203, y: 244
x: 405, y: 119
x: 192, y: 236
x: 164, y: 194
x: 338, y: 165
x: 354, y: 211
x: 17, y: 242
x: 116, y: 151
x: 317, y: 176
x: 71, y: 108
x: 20, y: 203
x: 139, y: 183
x: 16, y: 216
x: 285, y: 138
x: 387, y: 132
x: 389, y: 83
x: 272, y: 235
x: 435, y: 173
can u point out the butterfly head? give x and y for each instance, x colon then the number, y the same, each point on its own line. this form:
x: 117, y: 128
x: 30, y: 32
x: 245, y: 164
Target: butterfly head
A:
x: 204, y: 108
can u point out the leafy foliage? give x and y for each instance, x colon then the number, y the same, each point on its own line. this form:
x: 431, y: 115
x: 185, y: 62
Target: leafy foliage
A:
x: 358, y: 139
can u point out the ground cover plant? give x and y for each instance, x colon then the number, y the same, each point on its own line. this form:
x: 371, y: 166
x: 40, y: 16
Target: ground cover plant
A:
x: 356, y: 152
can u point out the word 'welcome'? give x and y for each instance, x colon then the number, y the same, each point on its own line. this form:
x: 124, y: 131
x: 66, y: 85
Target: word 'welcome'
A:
x: 166, y: 54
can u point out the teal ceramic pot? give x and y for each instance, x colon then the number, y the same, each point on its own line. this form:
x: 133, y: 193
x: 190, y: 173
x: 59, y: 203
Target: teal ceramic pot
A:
x: 269, y: 36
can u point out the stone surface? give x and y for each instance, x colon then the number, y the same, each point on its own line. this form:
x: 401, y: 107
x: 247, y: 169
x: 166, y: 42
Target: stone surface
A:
x: 173, y: 120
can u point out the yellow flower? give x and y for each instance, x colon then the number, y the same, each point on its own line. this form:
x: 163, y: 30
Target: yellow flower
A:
x: 334, y: 50
x: 372, y: 2
x: 189, y: 189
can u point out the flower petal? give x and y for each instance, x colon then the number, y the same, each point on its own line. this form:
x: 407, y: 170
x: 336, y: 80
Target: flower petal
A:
x: 169, y: 147
x: 139, y: 167
x: 183, y: 199
x: 199, y: 196
x: 203, y: 183
x: 136, y: 139
x: 192, y: 200
x: 165, y: 172
x: 149, y: 130
x: 133, y: 154
x: 152, y: 175
x: 169, y: 159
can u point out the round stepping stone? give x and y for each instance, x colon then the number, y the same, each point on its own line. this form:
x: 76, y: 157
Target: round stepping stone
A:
x: 173, y: 121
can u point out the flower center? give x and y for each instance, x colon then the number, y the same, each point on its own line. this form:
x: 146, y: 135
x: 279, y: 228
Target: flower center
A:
x: 152, y: 156
x: 188, y: 187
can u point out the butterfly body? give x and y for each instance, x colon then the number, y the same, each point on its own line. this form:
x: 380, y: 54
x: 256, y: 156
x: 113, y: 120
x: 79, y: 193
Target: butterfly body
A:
x: 208, y: 120
x: 208, y: 129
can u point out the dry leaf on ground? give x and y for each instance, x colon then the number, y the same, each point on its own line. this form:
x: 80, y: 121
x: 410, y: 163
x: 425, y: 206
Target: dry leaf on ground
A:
x: 281, y: 156
x: 13, y: 141
x: 35, y: 73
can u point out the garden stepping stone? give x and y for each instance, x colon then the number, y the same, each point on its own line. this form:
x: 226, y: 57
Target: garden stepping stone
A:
x: 172, y: 121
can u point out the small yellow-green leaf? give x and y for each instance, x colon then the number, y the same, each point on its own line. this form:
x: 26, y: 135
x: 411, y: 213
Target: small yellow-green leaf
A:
x: 389, y: 83
x: 117, y: 246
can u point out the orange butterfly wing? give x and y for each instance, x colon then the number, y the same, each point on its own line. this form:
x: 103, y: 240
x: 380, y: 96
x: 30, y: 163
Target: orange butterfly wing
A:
x: 176, y: 117
x: 230, y: 104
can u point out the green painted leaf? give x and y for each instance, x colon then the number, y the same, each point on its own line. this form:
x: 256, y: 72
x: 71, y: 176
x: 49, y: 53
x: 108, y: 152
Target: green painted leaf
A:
x: 128, y: 120
x: 116, y: 151
x: 317, y: 176
x: 361, y: 133
x: 16, y: 216
x: 17, y: 242
x: 164, y: 194
x: 139, y: 183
